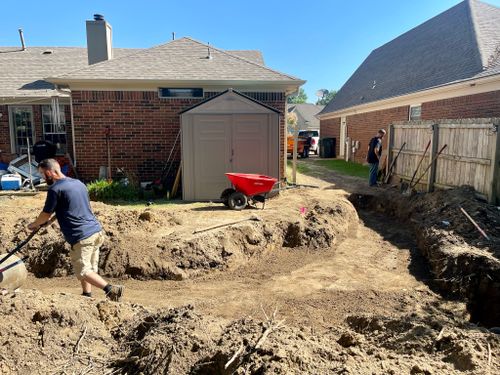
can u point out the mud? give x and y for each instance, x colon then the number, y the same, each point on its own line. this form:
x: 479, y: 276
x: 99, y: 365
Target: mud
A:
x: 463, y: 263
x: 70, y: 334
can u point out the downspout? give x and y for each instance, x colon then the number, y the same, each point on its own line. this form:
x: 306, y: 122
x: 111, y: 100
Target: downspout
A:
x: 73, y: 146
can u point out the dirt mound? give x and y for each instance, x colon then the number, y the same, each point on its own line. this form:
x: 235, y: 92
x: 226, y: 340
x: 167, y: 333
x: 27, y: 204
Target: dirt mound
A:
x: 152, y: 244
x: 57, y: 333
x: 462, y: 261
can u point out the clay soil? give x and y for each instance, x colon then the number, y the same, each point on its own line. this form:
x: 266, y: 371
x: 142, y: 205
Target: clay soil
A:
x: 307, y: 286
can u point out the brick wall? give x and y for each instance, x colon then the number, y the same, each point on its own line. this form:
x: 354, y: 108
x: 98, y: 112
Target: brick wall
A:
x: 331, y: 129
x: 470, y: 106
x: 143, y: 129
x: 362, y: 127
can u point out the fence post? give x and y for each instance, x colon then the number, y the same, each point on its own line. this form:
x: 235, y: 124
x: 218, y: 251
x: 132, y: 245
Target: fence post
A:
x: 494, y: 197
x: 390, y: 146
x: 431, y: 178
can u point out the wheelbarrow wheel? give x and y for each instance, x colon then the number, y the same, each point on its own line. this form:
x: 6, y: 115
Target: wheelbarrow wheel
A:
x: 225, y: 196
x: 237, y: 201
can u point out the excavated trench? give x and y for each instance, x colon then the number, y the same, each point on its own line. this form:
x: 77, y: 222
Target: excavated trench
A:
x: 462, y: 266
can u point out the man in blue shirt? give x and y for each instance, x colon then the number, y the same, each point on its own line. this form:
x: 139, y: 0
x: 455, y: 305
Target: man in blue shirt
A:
x: 374, y: 154
x: 68, y: 199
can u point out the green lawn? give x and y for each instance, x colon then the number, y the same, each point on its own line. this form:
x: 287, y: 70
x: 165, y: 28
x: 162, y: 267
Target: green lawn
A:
x: 345, y: 167
x: 301, y: 167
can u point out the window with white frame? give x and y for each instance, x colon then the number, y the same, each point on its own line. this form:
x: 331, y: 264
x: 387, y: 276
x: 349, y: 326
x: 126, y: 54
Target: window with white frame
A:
x: 415, y: 112
x: 53, y: 131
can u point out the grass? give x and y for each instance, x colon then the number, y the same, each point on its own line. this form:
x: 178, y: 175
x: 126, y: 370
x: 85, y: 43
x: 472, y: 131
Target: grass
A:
x: 345, y: 167
x: 301, y: 167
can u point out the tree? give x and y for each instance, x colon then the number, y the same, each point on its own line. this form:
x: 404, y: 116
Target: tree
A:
x: 291, y: 121
x: 327, y: 97
x: 298, y: 99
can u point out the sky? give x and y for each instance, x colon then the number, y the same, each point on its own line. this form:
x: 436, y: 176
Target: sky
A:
x: 321, y: 41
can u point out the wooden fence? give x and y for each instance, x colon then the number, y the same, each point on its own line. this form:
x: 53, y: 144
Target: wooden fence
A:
x: 471, y: 157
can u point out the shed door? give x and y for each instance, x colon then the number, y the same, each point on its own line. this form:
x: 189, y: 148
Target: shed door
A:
x: 212, y: 154
x: 251, y: 138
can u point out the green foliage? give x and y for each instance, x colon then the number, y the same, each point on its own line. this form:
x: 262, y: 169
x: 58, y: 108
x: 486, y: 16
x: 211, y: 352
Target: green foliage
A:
x: 298, y: 99
x: 103, y: 190
x: 327, y: 97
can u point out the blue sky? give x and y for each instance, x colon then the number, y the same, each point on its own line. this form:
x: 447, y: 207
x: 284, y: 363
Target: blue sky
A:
x: 321, y: 41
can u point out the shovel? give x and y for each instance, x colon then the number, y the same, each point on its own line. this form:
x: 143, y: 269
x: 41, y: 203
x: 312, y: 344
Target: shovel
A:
x: 389, y: 172
x: 407, y: 191
x: 410, y: 187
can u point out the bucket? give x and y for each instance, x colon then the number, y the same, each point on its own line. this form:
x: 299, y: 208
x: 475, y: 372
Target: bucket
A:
x: 14, y: 274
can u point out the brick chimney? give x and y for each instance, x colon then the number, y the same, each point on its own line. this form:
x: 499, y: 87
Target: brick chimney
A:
x: 99, y: 34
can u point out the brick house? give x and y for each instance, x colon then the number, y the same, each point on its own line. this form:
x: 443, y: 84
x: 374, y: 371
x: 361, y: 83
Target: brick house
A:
x: 131, y: 98
x: 446, y: 68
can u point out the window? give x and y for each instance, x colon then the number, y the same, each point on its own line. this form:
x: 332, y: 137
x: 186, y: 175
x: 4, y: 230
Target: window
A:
x: 55, y: 133
x: 415, y: 112
x: 309, y: 133
x: 181, y: 93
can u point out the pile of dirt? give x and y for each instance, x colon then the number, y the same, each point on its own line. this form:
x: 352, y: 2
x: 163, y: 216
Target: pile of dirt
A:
x: 58, y: 333
x: 162, y: 244
x: 464, y: 264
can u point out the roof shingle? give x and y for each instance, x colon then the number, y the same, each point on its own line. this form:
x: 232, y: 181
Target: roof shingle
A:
x: 458, y: 44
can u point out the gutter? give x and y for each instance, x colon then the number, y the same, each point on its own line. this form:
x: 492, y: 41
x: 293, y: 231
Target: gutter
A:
x: 73, y: 146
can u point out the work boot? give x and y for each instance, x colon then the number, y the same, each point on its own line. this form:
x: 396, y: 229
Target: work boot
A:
x: 115, y: 293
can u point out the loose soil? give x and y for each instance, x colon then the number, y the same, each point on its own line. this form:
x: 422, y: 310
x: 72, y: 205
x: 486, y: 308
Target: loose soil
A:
x: 355, y: 293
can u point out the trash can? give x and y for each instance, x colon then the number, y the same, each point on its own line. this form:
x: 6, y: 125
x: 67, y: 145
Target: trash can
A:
x: 327, y: 147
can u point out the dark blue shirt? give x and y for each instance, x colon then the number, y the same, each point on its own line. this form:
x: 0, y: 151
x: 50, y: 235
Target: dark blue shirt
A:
x: 375, y: 149
x: 69, y: 199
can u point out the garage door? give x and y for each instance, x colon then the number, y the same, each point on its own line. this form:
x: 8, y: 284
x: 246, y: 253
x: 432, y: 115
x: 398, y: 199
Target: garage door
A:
x: 243, y: 138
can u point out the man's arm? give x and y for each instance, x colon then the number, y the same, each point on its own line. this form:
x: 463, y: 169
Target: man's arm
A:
x: 43, y: 218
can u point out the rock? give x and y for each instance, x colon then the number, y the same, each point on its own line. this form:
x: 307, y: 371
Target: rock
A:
x: 146, y: 216
x: 347, y: 340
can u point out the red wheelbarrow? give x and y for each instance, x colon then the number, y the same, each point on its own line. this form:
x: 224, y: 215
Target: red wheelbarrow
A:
x: 247, y: 187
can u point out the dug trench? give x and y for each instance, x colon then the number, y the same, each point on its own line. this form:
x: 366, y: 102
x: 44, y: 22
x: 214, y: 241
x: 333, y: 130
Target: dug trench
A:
x: 324, y: 291
x: 463, y: 264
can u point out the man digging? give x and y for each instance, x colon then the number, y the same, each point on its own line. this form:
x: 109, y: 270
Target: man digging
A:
x: 69, y: 200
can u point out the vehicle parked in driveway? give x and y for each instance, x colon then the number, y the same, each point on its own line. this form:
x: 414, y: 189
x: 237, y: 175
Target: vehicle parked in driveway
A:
x: 314, y: 139
x: 302, y: 146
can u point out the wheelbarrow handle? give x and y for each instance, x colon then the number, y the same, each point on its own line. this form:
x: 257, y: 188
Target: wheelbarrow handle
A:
x: 24, y: 242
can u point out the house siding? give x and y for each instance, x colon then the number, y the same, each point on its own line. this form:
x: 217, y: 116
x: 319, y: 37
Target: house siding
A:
x: 362, y: 127
x: 143, y: 130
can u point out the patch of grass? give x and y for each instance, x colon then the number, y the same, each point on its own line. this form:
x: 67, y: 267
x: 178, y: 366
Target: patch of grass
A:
x: 105, y: 191
x: 301, y: 167
x: 345, y: 167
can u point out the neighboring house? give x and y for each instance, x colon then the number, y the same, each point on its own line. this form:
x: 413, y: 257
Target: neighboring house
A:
x: 137, y: 98
x: 446, y: 68
x: 306, y: 115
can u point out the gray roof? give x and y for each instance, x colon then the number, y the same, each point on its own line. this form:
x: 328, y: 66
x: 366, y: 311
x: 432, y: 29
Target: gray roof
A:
x: 182, y: 59
x: 255, y: 56
x: 459, y: 44
x: 22, y: 72
x: 306, y: 112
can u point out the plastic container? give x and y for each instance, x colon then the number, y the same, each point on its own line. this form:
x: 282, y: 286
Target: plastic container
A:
x: 10, y: 182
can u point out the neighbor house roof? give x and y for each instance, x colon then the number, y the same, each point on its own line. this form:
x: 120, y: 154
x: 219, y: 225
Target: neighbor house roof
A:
x: 22, y: 72
x: 180, y: 60
x: 306, y: 112
x: 459, y: 44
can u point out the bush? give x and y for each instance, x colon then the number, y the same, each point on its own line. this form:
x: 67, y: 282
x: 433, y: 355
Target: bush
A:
x: 103, y: 190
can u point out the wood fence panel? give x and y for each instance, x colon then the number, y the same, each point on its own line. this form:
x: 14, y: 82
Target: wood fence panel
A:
x: 470, y: 157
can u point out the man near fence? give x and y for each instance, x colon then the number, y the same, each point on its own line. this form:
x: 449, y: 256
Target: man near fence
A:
x: 374, y: 154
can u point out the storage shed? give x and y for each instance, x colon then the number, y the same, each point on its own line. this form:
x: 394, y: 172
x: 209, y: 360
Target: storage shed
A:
x: 229, y: 132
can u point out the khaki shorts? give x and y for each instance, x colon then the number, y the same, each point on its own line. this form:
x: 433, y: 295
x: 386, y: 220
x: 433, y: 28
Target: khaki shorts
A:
x: 85, y: 254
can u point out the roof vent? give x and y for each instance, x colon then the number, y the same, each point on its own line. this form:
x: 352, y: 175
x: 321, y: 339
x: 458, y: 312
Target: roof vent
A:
x: 47, y: 52
x: 98, y: 17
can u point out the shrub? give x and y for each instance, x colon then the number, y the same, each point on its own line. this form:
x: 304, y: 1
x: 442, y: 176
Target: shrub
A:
x: 103, y: 190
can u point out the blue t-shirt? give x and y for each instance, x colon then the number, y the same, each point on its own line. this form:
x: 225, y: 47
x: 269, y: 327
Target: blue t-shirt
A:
x: 69, y: 199
x: 375, y: 149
